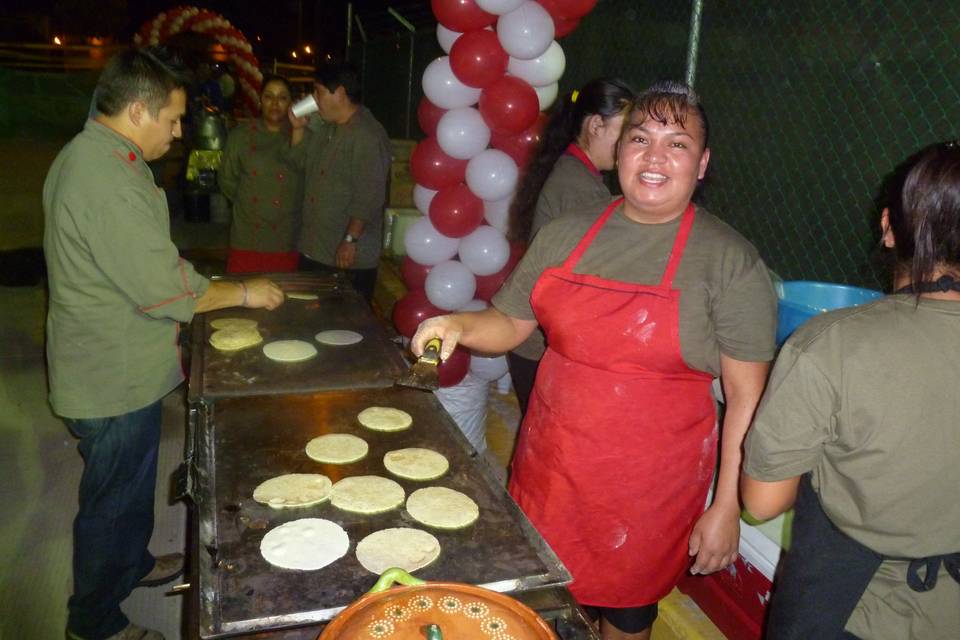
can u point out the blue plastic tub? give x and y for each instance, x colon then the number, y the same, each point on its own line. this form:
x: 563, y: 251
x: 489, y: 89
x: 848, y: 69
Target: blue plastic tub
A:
x: 801, y: 300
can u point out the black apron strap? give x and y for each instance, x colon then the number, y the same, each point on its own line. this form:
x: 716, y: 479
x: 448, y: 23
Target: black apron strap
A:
x: 825, y: 573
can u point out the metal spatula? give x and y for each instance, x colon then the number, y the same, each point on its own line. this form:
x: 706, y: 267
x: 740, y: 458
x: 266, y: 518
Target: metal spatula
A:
x: 424, y: 374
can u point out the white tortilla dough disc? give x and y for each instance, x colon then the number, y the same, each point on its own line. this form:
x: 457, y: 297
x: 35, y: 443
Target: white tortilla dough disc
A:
x: 337, y: 448
x: 234, y: 339
x: 442, y: 508
x: 293, y: 490
x: 416, y: 463
x: 385, y: 419
x: 409, y: 549
x: 289, y: 350
x: 233, y: 323
x: 367, y: 494
x: 338, y: 337
x: 302, y: 295
x: 306, y: 544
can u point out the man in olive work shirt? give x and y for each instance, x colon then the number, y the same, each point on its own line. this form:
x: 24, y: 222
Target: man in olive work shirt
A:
x: 346, y: 163
x: 118, y: 290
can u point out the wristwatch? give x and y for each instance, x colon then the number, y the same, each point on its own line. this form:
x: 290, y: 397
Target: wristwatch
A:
x: 350, y: 238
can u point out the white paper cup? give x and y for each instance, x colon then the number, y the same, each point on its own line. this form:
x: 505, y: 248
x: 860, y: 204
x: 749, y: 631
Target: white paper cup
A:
x: 305, y: 106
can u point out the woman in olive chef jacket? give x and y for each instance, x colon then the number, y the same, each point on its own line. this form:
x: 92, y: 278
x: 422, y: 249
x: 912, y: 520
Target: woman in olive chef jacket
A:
x: 265, y: 190
x: 564, y: 176
x: 860, y: 425
x: 641, y: 307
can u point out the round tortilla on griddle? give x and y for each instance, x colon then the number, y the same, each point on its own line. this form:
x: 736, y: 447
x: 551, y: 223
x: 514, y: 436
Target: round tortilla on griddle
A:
x: 367, y: 494
x: 416, y: 463
x: 409, y: 549
x: 306, y: 544
x: 293, y: 490
x: 233, y: 323
x: 442, y: 508
x: 385, y: 419
x: 338, y: 337
x: 289, y: 350
x: 337, y: 448
x: 235, y: 339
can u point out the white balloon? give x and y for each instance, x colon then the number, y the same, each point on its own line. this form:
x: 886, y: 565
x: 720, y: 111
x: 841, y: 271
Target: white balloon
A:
x: 543, y: 70
x: 446, y: 37
x: 474, y: 305
x: 547, y: 94
x: 497, y: 213
x: 462, y: 133
x: 526, y: 32
x: 443, y: 89
x: 488, y: 369
x: 450, y: 285
x: 492, y: 175
x: 499, y: 7
x: 422, y: 197
x: 425, y: 245
x: 484, y: 251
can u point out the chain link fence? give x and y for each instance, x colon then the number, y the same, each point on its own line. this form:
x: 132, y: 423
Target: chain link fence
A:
x: 811, y: 105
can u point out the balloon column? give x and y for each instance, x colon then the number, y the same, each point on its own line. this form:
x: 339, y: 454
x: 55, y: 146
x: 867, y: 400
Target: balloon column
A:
x: 481, y: 113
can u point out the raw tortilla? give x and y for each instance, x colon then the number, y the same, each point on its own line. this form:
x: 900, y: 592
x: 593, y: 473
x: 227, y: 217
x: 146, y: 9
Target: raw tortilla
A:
x: 367, y: 494
x: 385, y: 419
x: 235, y: 339
x: 293, y: 490
x: 289, y: 350
x: 409, y: 549
x: 337, y: 448
x: 233, y: 323
x: 416, y: 464
x: 338, y: 337
x: 306, y: 544
x: 442, y: 508
x: 302, y: 295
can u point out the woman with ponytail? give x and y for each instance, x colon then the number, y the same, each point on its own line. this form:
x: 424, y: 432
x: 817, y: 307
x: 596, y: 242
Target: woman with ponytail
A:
x: 563, y: 178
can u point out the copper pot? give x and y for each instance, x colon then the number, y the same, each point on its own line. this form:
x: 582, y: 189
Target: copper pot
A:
x: 435, y: 611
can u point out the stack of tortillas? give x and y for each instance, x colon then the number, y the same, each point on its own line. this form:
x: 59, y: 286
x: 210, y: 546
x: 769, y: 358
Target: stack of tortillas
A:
x: 367, y: 494
x: 289, y: 350
x: 233, y: 334
x: 416, y: 463
x: 337, y: 448
x: 293, y: 490
x: 409, y: 549
x: 442, y: 508
x: 385, y: 419
x: 306, y: 544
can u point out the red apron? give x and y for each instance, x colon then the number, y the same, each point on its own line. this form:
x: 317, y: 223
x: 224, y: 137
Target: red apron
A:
x: 618, y: 447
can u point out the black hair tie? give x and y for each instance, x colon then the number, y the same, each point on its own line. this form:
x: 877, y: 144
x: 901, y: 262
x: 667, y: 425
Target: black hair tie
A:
x: 940, y: 285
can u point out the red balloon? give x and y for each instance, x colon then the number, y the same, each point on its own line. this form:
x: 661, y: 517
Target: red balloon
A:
x: 562, y: 28
x: 455, y: 211
x: 489, y: 285
x: 413, y: 273
x: 411, y: 310
x: 567, y: 9
x: 509, y: 105
x: 428, y: 115
x: 461, y: 15
x: 454, y: 369
x: 477, y: 59
x: 521, y: 146
x: 433, y: 169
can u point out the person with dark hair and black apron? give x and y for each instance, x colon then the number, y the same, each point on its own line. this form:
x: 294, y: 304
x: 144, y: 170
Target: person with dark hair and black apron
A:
x: 859, y: 430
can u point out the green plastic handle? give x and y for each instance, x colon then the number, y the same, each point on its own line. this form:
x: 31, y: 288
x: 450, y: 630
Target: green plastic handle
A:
x: 395, y: 575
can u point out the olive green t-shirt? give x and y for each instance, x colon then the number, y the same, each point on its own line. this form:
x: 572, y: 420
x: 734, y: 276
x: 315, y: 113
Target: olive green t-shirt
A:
x: 727, y: 303
x: 868, y: 399
x: 265, y: 189
x: 346, y: 167
x: 118, y: 286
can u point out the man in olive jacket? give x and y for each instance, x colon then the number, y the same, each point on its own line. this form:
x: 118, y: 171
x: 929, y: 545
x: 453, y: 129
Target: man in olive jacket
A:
x: 118, y: 291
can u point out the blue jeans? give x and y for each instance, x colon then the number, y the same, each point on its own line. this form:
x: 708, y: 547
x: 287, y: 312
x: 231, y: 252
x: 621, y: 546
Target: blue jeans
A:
x: 115, y: 520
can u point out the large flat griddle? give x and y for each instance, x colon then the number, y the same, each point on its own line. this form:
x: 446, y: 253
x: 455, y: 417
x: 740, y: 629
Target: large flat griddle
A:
x: 373, y: 362
x: 244, y: 441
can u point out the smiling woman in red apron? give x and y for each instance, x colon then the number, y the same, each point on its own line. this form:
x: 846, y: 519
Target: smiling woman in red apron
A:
x: 861, y: 426
x: 641, y: 307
